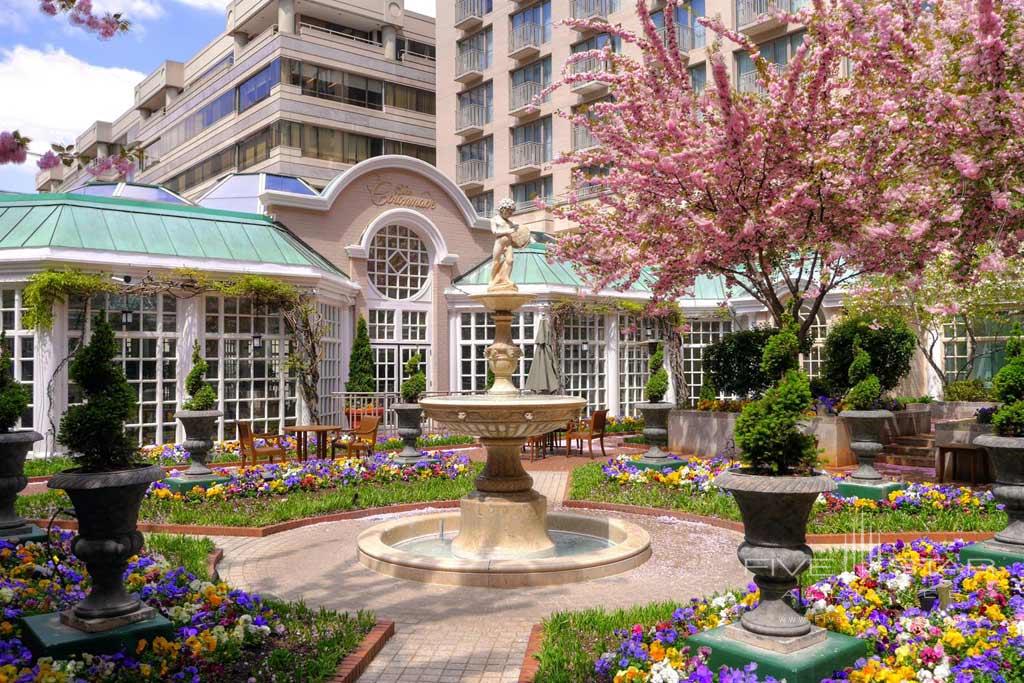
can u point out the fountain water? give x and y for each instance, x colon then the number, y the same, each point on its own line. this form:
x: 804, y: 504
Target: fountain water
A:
x: 503, y: 535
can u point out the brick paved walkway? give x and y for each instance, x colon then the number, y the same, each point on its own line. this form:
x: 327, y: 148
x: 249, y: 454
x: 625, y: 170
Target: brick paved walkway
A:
x: 470, y: 635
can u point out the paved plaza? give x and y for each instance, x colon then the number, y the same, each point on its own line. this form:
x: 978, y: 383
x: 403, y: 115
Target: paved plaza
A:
x: 470, y: 635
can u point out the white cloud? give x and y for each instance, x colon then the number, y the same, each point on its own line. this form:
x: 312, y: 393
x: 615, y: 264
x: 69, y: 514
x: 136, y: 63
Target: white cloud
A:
x: 55, y: 96
x: 132, y: 10
x: 428, y: 7
x: 217, y: 5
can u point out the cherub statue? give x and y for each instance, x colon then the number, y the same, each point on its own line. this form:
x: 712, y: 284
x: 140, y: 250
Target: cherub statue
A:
x: 507, y: 236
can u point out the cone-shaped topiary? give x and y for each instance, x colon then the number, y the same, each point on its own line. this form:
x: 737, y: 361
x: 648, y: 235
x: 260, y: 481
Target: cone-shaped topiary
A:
x: 201, y: 394
x: 657, y: 382
x: 768, y: 432
x: 415, y: 381
x: 360, y: 362
x: 94, y: 430
x: 865, y: 388
x: 14, y: 396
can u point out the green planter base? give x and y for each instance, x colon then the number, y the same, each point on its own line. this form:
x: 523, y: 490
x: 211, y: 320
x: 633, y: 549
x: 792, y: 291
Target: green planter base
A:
x: 809, y: 665
x: 186, y: 484
x: 47, y: 637
x: 25, y: 534
x: 656, y: 464
x: 849, y: 489
x: 991, y: 552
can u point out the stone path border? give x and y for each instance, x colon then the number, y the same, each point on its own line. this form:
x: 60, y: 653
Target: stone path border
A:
x: 530, y: 665
x: 818, y: 539
x: 356, y: 662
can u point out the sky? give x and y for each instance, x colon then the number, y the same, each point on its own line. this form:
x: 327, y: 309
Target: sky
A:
x: 56, y: 79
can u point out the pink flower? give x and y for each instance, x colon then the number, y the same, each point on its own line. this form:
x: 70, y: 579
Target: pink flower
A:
x: 48, y: 161
x: 967, y: 166
x: 13, y: 148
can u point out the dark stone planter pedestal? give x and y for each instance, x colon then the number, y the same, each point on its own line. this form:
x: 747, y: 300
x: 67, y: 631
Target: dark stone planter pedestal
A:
x: 865, y: 441
x: 1007, y: 457
x: 656, y: 435
x: 14, y: 447
x: 410, y: 417
x: 200, y: 426
x: 782, y: 641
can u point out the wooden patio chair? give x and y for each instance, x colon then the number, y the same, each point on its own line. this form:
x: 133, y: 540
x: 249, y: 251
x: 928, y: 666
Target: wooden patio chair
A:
x: 587, y: 430
x: 248, y: 450
x: 362, y: 438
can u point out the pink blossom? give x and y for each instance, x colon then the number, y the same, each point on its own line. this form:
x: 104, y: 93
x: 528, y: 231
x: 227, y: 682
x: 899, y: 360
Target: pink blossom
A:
x: 966, y: 165
x: 13, y: 148
x: 992, y: 263
x: 48, y: 161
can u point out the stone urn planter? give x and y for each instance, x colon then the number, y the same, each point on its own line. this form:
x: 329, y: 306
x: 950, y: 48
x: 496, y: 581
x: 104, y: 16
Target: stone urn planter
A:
x: 107, y: 508
x: 866, y: 441
x: 410, y: 419
x: 200, y: 426
x: 656, y: 434
x: 1007, y: 456
x: 775, y: 512
x: 14, y: 447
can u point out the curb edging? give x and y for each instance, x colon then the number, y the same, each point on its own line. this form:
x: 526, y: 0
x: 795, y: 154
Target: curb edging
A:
x: 353, y: 666
x: 528, y: 669
x: 821, y: 539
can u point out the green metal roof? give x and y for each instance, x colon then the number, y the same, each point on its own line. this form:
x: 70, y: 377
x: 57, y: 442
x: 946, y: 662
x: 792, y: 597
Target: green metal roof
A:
x: 532, y: 267
x: 73, y: 221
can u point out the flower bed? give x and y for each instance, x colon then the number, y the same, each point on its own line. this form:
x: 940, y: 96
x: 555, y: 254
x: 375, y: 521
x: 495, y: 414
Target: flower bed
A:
x: 271, y: 493
x: 978, y: 637
x: 221, y: 633
x: 916, y: 507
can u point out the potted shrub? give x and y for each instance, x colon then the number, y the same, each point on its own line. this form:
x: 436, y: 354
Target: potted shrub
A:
x: 107, y: 485
x: 862, y: 416
x: 14, y: 447
x: 655, y: 411
x: 775, y: 488
x: 1005, y: 447
x: 410, y: 415
x: 199, y: 416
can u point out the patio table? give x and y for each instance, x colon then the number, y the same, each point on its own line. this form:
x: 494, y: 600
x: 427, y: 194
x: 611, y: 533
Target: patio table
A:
x: 302, y: 433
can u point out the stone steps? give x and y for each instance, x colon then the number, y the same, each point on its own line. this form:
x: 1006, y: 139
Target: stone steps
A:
x: 910, y: 451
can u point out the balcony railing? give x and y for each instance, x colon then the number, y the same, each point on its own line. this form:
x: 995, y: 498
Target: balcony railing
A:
x: 687, y: 37
x: 527, y: 154
x: 525, y: 37
x: 582, y: 138
x: 749, y: 12
x: 748, y: 81
x: 470, y: 116
x: 586, y: 66
x: 588, y: 9
x: 339, y: 36
x: 522, y: 95
x: 468, y: 62
x: 468, y: 12
x: 471, y: 171
x: 588, y: 190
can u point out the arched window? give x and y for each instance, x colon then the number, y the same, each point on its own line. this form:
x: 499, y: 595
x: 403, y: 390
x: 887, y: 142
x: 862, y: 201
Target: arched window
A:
x: 398, y: 264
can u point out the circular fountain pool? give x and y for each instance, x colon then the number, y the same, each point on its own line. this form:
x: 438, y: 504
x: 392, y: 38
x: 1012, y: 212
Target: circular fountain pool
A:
x: 585, y: 547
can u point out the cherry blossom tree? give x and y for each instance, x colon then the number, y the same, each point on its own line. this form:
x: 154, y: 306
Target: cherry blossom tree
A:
x: 14, y: 146
x: 893, y: 135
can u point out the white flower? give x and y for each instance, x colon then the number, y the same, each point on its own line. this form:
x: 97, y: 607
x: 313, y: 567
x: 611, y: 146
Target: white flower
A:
x: 662, y: 672
x: 899, y: 582
x: 848, y: 577
x: 942, y: 671
x: 825, y: 588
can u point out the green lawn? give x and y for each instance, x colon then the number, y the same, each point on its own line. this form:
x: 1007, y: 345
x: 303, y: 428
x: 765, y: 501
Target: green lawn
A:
x: 263, y: 511
x: 572, y: 641
x: 190, y: 552
x: 589, y: 483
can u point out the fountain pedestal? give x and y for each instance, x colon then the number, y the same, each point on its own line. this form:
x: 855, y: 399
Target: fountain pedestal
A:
x: 502, y: 526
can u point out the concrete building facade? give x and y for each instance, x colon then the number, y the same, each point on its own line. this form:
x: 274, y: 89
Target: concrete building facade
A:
x: 290, y: 87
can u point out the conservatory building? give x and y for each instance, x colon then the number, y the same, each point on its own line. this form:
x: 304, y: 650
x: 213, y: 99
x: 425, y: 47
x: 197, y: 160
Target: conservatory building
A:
x: 391, y: 240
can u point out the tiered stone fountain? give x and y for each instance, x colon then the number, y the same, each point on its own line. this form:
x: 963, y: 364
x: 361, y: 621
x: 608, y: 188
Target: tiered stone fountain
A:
x: 502, y: 535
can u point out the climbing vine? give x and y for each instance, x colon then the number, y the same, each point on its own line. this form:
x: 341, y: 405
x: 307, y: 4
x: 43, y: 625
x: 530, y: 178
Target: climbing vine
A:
x: 46, y: 288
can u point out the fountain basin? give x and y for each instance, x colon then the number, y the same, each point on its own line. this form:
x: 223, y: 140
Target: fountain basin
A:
x: 585, y: 548
x: 503, y: 416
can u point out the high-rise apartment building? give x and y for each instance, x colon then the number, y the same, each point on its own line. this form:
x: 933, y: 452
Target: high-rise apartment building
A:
x: 290, y: 87
x: 496, y: 56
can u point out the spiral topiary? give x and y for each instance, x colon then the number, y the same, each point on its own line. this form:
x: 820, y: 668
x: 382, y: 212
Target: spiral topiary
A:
x: 657, y: 382
x: 781, y: 352
x: 201, y: 394
x: 415, y: 382
x: 866, y: 389
x: 94, y: 430
x: 14, y: 396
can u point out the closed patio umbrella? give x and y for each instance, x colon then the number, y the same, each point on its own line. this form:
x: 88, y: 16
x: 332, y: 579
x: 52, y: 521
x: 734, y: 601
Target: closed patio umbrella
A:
x: 543, y: 377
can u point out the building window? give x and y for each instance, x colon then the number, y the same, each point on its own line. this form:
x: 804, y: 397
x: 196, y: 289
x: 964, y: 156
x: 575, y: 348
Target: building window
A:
x: 481, y: 150
x: 381, y: 324
x: 413, y: 99
x: 148, y: 354
x: 414, y: 48
x: 527, y: 82
x: 409, y: 149
x: 990, y: 355
x: 254, y: 384
x: 255, y: 148
x: 192, y: 125
x: 583, y: 359
x: 476, y: 333
x: 481, y: 96
x: 257, y: 87
x: 483, y: 203
x: 206, y: 169
x: 20, y: 345
x: 701, y: 334
x: 698, y: 78
x: 538, y: 132
x: 689, y: 34
x: 776, y: 52
x: 525, y: 193
x: 636, y: 339
x: 477, y: 50
x: 331, y: 365
x: 398, y: 264
x: 813, y: 359
x: 393, y: 345
x: 538, y: 15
